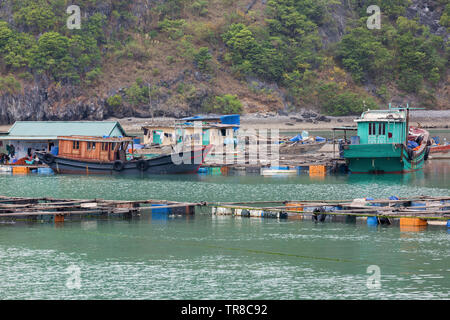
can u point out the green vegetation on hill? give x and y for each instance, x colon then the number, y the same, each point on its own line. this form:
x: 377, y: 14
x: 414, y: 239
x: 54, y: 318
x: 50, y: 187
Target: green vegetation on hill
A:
x: 278, y: 43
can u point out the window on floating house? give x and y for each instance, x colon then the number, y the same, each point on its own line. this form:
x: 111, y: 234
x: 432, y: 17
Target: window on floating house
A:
x: 76, y: 145
x: 105, y: 146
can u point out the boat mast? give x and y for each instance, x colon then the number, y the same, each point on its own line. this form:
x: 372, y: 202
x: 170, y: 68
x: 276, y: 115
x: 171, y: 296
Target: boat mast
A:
x: 407, y: 124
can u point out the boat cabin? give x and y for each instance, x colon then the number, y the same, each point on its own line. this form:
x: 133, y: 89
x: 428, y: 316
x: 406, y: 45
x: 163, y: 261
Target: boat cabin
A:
x: 94, y: 148
x: 166, y: 135
x: 381, y: 126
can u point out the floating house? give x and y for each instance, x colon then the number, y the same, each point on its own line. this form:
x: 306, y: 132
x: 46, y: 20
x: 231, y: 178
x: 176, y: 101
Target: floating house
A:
x: 195, y: 131
x: 26, y: 137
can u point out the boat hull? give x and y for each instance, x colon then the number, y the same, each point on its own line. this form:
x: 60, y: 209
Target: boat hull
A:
x: 183, y: 163
x: 382, y: 158
x: 440, y: 149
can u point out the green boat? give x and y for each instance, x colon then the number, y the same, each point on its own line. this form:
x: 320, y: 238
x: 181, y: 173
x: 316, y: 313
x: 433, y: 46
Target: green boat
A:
x: 386, y: 144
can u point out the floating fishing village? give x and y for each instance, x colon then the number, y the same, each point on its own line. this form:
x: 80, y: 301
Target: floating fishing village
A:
x: 383, y: 142
x: 225, y: 155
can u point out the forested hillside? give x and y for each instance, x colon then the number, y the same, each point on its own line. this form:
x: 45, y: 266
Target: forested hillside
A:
x: 180, y: 57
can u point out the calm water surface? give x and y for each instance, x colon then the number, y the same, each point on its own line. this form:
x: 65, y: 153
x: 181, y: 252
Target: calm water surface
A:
x: 205, y: 257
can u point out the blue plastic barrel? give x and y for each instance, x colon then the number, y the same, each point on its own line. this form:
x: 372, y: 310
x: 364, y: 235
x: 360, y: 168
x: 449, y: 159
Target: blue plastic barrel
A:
x: 45, y: 171
x: 372, y: 221
x: 202, y: 170
x: 279, y: 168
x: 448, y: 223
x: 417, y: 205
x: 162, y: 210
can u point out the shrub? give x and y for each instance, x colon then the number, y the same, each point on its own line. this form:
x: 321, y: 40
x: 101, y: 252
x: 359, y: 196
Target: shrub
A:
x: 137, y: 94
x: 10, y: 85
x: 174, y: 28
x: 114, y: 101
x: 202, y: 59
x: 335, y: 103
x: 227, y: 104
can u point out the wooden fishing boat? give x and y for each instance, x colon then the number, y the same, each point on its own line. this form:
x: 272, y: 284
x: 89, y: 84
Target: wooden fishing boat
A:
x: 386, y: 144
x: 97, y: 155
x: 440, y: 149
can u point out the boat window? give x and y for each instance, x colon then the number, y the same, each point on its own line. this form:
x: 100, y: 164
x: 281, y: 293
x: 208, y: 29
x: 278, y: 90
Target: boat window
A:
x: 89, y: 145
x: 76, y: 145
x: 105, y: 146
x: 93, y: 145
x: 384, y: 129
x: 372, y: 129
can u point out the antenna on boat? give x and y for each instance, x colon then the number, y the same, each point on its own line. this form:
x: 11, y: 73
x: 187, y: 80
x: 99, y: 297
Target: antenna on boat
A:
x: 150, y: 102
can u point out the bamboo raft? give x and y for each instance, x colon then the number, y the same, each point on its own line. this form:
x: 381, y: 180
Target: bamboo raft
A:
x: 424, y: 208
x: 38, y: 208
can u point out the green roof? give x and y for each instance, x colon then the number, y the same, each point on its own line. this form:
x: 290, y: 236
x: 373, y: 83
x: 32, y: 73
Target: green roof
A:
x: 47, y: 130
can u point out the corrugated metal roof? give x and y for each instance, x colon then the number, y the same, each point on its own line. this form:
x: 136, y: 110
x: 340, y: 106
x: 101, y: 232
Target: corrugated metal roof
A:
x: 53, y: 129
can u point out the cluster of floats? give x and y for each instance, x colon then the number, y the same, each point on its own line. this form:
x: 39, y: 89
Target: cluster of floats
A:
x: 412, y: 214
x: 407, y: 212
x: 384, y: 143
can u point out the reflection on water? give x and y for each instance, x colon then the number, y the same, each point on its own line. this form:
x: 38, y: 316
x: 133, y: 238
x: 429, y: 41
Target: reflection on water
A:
x: 209, y: 257
x: 205, y: 257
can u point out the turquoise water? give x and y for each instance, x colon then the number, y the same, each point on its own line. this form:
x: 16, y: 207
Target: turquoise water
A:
x: 207, y: 257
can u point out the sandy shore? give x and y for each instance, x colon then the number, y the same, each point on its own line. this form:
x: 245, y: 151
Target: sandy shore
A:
x: 439, y: 119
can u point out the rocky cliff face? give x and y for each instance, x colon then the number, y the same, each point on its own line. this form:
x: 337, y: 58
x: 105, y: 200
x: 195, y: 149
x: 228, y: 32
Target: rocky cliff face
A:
x: 429, y: 13
x: 41, y: 102
x: 43, y: 99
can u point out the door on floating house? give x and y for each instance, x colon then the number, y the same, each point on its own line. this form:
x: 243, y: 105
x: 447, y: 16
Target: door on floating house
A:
x: 157, y: 136
x: 377, y: 132
x: 206, y: 138
x: 381, y: 136
x: 179, y: 136
x: 372, y: 137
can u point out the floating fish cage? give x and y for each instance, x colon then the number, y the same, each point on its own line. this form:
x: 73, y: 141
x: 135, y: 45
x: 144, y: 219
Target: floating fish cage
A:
x: 59, y: 210
x: 417, y: 212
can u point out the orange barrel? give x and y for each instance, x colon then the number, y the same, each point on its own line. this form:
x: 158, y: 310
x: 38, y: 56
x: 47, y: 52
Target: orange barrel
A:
x: 21, y: 170
x: 59, y: 218
x: 317, y: 170
x: 294, y: 206
x: 412, y: 222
